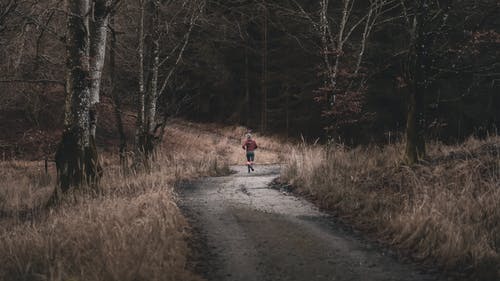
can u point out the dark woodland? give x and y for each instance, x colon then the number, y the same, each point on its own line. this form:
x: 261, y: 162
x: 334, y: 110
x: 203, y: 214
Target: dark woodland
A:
x: 372, y: 107
x: 261, y: 65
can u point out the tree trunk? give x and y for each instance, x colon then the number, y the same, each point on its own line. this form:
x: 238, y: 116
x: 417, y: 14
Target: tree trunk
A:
x: 117, y: 98
x: 141, y: 95
x: 98, y: 40
x: 263, y: 125
x: 247, y: 90
x: 152, y: 94
x: 76, y: 156
x: 146, y: 140
x: 419, y: 63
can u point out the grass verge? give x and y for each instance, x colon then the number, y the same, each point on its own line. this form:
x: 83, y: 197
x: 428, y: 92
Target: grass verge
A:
x: 445, y: 211
x: 133, y: 231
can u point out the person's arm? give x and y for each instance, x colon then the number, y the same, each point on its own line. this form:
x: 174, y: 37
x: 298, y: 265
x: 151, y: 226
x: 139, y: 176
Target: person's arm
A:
x: 244, y: 145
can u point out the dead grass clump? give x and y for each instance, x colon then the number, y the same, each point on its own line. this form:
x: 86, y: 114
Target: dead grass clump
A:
x: 23, y: 185
x: 133, y: 231
x: 140, y: 238
x: 446, y: 210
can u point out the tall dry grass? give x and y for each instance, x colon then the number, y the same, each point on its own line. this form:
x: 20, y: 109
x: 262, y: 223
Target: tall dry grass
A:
x: 132, y: 231
x: 224, y: 143
x: 445, y: 211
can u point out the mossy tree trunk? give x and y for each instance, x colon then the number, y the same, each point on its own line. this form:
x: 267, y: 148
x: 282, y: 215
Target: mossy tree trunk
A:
x: 76, y: 157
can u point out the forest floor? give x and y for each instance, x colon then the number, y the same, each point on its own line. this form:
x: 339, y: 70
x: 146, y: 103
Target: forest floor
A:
x: 132, y: 230
x: 247, y: 231
x: 443, y: 213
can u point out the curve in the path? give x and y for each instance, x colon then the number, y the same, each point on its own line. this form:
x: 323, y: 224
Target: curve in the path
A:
x: 250, y: 232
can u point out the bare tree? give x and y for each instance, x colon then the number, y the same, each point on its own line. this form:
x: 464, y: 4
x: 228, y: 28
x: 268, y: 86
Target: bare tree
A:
x: 347, y: 24
x: 426, y: 14
x: 334, y: 39
x: 147, y: 124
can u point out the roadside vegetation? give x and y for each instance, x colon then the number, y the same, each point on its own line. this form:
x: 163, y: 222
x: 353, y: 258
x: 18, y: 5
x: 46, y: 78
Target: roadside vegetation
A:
x: 133, y: 230
x: 445, y: 210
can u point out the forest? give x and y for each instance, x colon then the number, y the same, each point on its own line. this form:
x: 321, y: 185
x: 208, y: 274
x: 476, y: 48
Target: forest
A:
x: 383, y: 113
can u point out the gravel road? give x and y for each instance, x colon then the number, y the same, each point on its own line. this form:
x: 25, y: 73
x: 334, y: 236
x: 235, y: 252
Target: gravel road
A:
x: 245, y: 231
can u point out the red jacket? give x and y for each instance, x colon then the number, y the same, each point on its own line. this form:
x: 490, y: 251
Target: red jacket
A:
x: 250, y: 145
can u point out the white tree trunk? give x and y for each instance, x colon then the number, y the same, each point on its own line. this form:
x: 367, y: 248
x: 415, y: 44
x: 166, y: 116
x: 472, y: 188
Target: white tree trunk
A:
x: 99, y: 32
x: 152, y: 95
x: 141, y: 94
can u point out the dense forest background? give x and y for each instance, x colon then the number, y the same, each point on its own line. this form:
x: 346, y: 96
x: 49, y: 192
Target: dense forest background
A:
x: 262, y: 64
x: 384, y: 112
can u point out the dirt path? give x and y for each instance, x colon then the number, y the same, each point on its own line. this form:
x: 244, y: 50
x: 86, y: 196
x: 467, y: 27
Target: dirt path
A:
x: 247, y: 231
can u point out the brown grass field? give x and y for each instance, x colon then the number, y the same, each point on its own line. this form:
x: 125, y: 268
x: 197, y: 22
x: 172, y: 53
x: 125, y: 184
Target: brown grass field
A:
x: 133, y: 231
x: 445, y: 211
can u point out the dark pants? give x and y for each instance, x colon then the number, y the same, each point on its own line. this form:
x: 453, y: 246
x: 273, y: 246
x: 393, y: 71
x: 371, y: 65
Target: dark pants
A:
x: 250, y: 156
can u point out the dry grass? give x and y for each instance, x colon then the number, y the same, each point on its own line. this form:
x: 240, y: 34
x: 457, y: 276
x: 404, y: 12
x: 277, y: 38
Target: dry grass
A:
x: 224, y: 143
x: 446, y: 211
x: 133, y: 231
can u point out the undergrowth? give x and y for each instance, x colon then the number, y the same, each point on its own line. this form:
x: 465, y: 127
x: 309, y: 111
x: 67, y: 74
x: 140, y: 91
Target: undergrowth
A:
x: 132, y: 230
x: 445, y: 211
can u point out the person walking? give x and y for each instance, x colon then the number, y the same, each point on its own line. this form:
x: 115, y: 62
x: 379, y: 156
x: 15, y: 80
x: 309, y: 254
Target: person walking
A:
x: 250, y: 146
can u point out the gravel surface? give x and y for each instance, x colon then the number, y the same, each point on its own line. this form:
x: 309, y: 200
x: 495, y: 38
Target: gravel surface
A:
x: 245, y: 231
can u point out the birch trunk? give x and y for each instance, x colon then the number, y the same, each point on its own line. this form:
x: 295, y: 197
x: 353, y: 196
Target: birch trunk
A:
x: 153, y: 92
x: 340, y: 47
x: 99, y: 33
x: 325, y: 41
x: 328, y: 43
x: 146, y: 139
x: 76, y: 156
x: 366, y: 33
x: 141, y: 95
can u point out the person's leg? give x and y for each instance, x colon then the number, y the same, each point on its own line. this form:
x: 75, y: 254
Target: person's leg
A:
x: 252, y: 157
x: 249, y: 158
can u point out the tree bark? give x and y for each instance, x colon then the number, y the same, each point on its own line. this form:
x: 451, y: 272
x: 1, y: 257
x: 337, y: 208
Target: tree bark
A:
x: 247, y: 90
x: 419, y: 63
x: 76, y: 157
x: 98, y: 40
x: 152, y: 94
x: 263, y: 123
x: 146, y: 140
x: 117, y: 98
x: 142, y: 94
